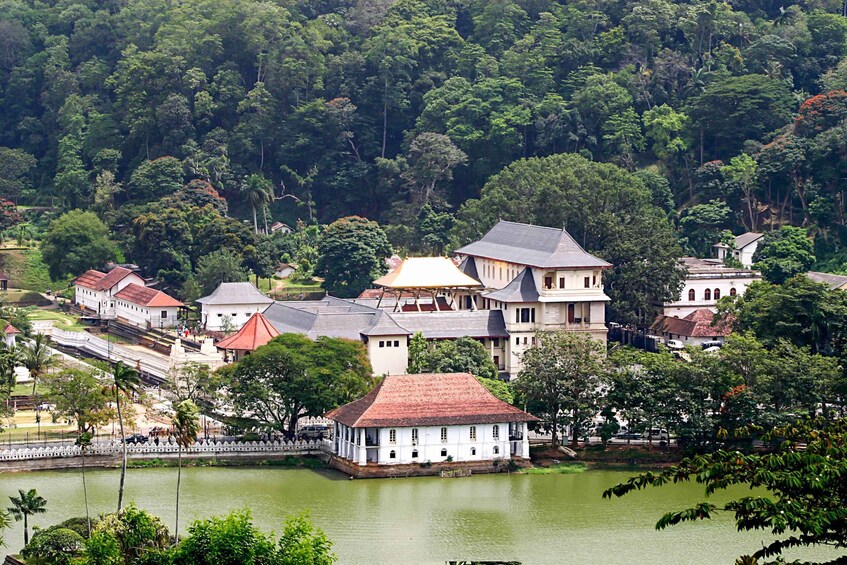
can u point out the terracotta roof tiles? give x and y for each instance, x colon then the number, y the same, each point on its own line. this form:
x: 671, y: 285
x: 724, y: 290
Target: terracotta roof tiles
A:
x: 257, y: 332
x: 428, y: 400
x: 146, y: 296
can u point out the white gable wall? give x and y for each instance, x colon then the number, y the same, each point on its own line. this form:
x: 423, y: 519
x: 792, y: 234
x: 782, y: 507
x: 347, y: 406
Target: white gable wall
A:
x: 213, y: 314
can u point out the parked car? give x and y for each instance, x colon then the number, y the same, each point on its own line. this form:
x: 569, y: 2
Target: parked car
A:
x: 710, y: 344
x: 712, y: 350
x: 313, y: 431
x: 675, y: 344
x: 627, y: 434
x: 656, y: 434
x: 136, y: 439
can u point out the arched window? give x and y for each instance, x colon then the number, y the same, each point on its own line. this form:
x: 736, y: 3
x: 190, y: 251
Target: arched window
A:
x: 473, y: 451
x: 495, y: 432
x: 414, y: 454
x: 691, y: 295
x: 392, y: 454
x: 496, y: 449
x: 443, y: 453
x: 732, y: 292
x: 707, y: 294
x: 717, y: 293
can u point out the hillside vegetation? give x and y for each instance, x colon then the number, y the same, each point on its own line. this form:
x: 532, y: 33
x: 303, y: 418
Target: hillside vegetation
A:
x: 168, y: 120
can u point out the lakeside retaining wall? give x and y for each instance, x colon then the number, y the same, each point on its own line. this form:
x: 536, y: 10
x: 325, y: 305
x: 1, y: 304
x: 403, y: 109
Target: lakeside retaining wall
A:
x: 109, y: 454
x: 462, y: 468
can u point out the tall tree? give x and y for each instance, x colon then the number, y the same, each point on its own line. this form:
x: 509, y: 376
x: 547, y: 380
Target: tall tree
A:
x: 784, y: 253
x: 352, y: 254
x: 77, y: 241
x: 186, y: 424
x: 126, y: 382
x: 258, y: 191
x: 25, y: 505
x: 561, y: 378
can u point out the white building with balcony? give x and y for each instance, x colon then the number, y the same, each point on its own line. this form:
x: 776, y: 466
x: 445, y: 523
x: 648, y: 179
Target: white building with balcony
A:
x: 541, y: 279
x: 428, y: 418
x: 706, y: 282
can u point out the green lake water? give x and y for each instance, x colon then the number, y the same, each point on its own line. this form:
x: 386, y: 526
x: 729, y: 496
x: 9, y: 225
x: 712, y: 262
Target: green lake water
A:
x: 531, y: 518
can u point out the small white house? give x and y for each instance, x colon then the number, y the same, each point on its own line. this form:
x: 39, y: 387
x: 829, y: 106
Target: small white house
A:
x: 147, y: 307
x: 280, y: 227
x: 235, y: 301
x: 284, y: 270
x: 428, y: 418
x: 94, y: 291
x: 745, y: 246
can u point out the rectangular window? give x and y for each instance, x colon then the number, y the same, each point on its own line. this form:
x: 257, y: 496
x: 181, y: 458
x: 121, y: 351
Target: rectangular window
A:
x: 525, y: 315
x: 496, y: 342
x: 397, y: 343
x: 587, y: 282
x: 561, y: 282
x: 473, y: 433
x: 164, y: 314
x: 533, y: 315
x: 414, y: 436
x: 495, y: 432
x: 548, y: 282
x: 388, y: 343
x: 517, y: 341
x: 234, y: 314
x: 443, y: 435
x: 392, y: 436
x: 382, y: 344
x: 594, y: 280
x: 517, y: 315
x: 524, y: 341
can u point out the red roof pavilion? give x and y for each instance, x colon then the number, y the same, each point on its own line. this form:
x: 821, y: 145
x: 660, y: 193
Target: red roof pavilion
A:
x: 435, y: 399
x: 257, y: 332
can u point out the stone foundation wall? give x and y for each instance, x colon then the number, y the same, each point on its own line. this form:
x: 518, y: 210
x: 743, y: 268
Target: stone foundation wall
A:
x: 374, y: 471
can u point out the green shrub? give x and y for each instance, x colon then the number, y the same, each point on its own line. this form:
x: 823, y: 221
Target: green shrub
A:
x: 53, y: 546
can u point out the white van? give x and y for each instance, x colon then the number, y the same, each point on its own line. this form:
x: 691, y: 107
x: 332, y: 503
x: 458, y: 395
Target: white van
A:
x: 656, y: 434
x: 675, y: 344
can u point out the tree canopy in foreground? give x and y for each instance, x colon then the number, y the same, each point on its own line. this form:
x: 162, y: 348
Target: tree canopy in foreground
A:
x: 806, y: 502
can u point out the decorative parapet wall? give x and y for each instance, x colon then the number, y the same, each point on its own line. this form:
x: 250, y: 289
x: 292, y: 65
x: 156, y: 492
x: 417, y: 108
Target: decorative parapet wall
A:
x: 149, y: 450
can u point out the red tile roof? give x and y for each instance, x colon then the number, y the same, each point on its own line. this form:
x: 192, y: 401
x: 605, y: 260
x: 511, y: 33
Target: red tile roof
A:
x: 428, y: 400
x: 89, y: 279
x: 113, y: 277
x: 254, y: 334
x: 697, y: 324
x: 146, y: 296
x: 10, y: 329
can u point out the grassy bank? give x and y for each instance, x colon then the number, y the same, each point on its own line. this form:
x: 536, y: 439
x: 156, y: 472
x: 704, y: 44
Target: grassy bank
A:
x: 60, y: 320
x: 568, y: 468
x: 27, y: 270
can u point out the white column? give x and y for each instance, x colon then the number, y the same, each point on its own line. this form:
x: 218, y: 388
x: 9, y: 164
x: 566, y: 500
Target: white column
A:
x: 524, y: 441
x: 363, y: 448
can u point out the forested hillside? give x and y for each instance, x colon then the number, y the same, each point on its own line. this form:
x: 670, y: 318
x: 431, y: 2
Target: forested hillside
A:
x: 175, y: 121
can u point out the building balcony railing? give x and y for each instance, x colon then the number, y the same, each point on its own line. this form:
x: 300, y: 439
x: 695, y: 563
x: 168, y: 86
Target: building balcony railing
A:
x: 516, y: 436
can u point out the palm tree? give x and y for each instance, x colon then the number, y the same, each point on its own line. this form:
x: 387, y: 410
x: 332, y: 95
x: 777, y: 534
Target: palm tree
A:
x: 127, y: 381
x: 259, y: 193
x: 10, y: 357
x: 22, y: 507
x: 38, y: 357
x: 186, y: 423
x: 5, y: 522
x: 84, y: 441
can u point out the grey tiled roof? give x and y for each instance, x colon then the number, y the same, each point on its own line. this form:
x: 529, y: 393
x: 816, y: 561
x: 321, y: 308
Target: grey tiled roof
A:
x: 536, y: 246
x: 331, y: 317
x: 521, y: 289
x: 834, y: 281
x: 448, y: 325
x: 746, y: 239
x: 384, y: 324
x: 235, y: 293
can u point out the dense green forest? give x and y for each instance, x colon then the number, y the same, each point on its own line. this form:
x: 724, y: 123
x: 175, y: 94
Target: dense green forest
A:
x: 188, y: 127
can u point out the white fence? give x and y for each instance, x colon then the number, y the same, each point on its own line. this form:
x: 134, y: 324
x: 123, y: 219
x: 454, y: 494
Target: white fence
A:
x: 148, y: 362
x: 149, y: 449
